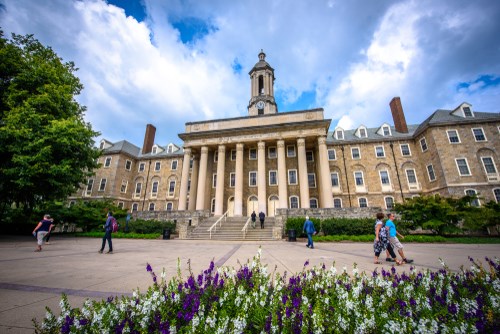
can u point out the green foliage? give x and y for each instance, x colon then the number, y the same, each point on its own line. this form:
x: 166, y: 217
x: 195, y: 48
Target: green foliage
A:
x: 121, y: 235
x: 297, y: 224
x: 47, y: 148
x: 333, y: 226
x: 149, y: 226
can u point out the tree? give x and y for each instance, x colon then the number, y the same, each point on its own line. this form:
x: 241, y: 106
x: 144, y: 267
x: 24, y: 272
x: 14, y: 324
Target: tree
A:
x: 47, y: 148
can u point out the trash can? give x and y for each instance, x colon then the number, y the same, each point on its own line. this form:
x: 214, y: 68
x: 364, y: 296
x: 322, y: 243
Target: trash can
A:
x: 166, y: 234
x: 292, y: 235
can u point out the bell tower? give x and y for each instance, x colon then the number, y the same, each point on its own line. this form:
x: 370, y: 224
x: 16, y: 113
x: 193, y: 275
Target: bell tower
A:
x: 262, y: 88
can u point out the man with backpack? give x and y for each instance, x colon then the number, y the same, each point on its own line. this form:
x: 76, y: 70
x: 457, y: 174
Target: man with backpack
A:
x: 310, y: 231
x: 108, y: 228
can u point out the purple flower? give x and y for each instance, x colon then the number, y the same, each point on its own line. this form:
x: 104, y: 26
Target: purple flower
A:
x: 306, y: 263
x: 452, y: 309
x: 68, y: 322
x: 148, y: 268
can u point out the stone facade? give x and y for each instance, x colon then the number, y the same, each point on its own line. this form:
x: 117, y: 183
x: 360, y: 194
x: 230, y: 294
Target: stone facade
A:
x: 269, y: 161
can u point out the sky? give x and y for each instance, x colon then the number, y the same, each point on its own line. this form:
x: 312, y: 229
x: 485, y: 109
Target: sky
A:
x: 169, y: 62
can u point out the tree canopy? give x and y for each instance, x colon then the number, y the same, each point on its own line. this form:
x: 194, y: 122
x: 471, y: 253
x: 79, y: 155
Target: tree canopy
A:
x: 47, y: 149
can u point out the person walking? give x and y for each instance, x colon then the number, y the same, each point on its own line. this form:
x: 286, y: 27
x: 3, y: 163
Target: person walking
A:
x: 393, y: 237
x: 262, y: 216
x: 44, y: 226
x: 254, y: 216
x: 108, y: 228
x: 310, y: 230
x: 48, y: 235
x: 381, y: 241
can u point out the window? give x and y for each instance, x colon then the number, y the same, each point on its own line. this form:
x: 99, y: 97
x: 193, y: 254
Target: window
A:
x: 173, y: 166
x: 107, y: 162
x: 355, y: 153
x: 472, y: 193
x: 294, y: 202
x: 363, y: 203
x: 212, y: 205
x: 120, y: 205
x: 384, y: 177
x: 135, y: 207
x: 138, y: 188
x: 232, y: 179
x: 189, y: 184
x: 335, y: 179
x: 358, y: 178
x: 151, y: 207
x: 292, y: 176
x: 463, y: 167
x: 252, y: 154
x: 389, y: 203
x: 72, y: 203
x: 430, y: 171
x: 453, y: 136
x: 252, y: 179
x: 154, y: 189
x: 337, y: 203
x: 405, y: 150
x: 214, y: 180
x: 154, y: 150
x: 386, y: 130
x: 423, y: 144
x: 191, y: 161
x: 311, y: 180
x: 412, y: 177
x: 102, y: 186
x: 273, y: 178
x: 332, y: 155
x: 90, y: 184
x: 339, y: 134
x: 290, y: 151
x: 170, y: 206
x: 216, y: 156
x: 496, y: 192
x: 272, y: 152
x: 171, y: 187
x: 309, y: 156
x: 128, y: 165
x: 157, y: 166
x: 233, y: 155
x: 142, y: 165
x: 467, y: 112
x: 313, y: 203
x: 479, y: 134
x: 379, y: 151
x: 362, y: 133
x: 123, y: 188
x: 489, y: 165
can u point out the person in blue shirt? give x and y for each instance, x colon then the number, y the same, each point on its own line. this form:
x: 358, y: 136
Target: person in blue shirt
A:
x: 108, y: 228
x: 310, y: 230
x: 393, y: 237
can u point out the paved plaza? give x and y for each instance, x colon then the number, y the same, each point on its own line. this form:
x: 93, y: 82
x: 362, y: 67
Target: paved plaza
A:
x: 29, y: 281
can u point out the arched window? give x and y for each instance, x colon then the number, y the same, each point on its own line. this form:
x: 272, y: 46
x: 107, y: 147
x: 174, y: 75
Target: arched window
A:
x: 294, y: 202
x: 134, y: 207
x: 169, y: 206
x: 313, y: 203
x: 337, y: 203
x: 389, y: 203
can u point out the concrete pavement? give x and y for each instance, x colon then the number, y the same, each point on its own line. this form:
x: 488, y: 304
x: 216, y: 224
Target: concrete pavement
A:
x: 29, y: 281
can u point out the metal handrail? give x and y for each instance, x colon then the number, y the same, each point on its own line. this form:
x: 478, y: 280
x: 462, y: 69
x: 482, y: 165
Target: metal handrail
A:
x: 245, y: 228
x: 219, y: 221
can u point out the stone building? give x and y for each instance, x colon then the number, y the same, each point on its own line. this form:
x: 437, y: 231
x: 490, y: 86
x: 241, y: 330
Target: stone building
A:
x: 269, y: 160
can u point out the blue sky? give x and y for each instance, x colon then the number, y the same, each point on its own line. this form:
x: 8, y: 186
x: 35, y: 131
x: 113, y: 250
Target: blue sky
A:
x: 168, y: 62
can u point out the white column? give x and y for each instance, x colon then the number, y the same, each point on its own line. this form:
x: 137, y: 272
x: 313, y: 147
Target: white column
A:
x: 303, y: 183
x: 202, y: 179
x: 184, y: 179
x: 194, y: 185
x: 325, y: 186
x: 261, y: 177
x: 282, y: 180
x: 219, y: 188
x: 238, y: 187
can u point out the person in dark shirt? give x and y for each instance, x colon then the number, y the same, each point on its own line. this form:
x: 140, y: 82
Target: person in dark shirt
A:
x: 262, y: 216
x: 108, y: 228
x: 42, y: 229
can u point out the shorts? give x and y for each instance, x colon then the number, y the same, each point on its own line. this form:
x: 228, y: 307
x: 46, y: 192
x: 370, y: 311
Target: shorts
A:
x: 39, y: 236
x: 395, y: 243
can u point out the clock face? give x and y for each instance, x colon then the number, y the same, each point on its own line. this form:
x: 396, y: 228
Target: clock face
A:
x: 260, y: 105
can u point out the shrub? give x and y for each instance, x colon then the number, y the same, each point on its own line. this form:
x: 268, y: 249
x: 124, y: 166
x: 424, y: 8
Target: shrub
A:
x: 148, y: 226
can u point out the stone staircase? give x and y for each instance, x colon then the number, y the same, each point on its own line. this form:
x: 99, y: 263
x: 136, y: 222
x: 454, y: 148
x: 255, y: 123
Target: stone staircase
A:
x: 231, y: 230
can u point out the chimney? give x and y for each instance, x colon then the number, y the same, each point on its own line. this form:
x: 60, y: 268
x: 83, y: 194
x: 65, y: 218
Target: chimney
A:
x: 149, y: 139
x: 398, y: 115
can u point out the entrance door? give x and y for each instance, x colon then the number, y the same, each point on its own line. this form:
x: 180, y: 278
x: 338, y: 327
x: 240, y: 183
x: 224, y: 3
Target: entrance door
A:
x: 230, y: 207
x: 273, y: 204
x: 252, y: 205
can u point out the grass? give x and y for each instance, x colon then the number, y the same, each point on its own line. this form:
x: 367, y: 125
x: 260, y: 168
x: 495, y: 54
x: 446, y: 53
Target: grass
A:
x: 120, y: 235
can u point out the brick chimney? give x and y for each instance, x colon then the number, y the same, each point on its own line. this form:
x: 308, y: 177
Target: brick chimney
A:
x: 398, y: 115
x: 149, y: 139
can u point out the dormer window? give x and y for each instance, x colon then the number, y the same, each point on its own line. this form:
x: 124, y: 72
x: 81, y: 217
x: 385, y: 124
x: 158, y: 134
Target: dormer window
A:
x: 362, y: 133
x: 467, y: 112
x: 155, y: 150
x: 464, y: 110
x: 339, y: 134
x: 386, y: 130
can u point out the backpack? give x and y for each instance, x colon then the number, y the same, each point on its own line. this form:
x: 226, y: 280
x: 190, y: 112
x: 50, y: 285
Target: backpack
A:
x: 114, y: 225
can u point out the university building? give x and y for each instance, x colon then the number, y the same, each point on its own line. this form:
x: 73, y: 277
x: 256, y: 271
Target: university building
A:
x: 270, y: 160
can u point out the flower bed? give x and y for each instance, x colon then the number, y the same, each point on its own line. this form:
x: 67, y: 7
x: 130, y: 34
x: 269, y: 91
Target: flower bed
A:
x: 316, y: 300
